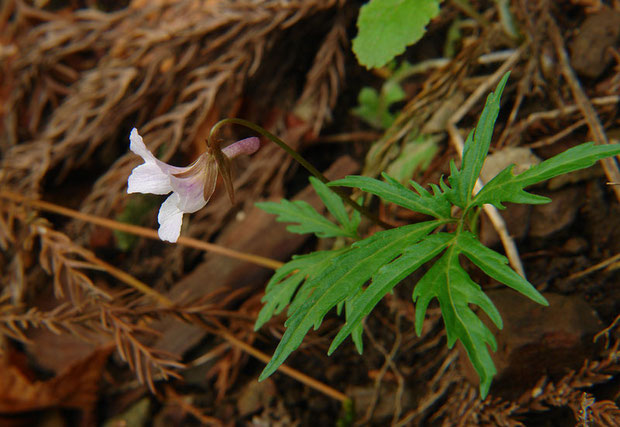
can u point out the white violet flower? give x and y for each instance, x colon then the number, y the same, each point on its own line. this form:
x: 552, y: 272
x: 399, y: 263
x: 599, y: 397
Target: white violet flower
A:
x: 191, y: 186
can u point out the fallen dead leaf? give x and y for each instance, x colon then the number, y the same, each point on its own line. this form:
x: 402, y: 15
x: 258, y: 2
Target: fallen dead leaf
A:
x: 76, y: 387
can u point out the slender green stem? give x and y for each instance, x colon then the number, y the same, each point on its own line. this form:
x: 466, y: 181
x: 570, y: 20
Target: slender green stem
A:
x: 475, y: 221
x: 266, y: 134
x: 214, y: 143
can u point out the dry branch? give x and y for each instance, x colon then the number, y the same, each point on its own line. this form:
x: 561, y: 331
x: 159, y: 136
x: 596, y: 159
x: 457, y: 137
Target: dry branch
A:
x: 172, y: 64
x: 610, y: 165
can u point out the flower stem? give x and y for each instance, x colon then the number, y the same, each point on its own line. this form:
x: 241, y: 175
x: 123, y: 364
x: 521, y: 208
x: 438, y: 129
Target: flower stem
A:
x: 212, y: 142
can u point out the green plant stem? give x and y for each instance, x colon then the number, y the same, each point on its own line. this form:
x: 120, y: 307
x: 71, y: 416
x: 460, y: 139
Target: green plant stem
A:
x: 214, y: 143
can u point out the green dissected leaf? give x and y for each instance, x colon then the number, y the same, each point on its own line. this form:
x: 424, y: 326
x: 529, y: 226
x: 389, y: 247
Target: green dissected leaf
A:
x: 496, y: 266
x: 392, y: 92
x: 393, y: 191
x: 386, y: 278
x: 475, y: 151
x: 450, y: 284
x: 286, y: 280
x: 309, y: 220
x: 507, y: 187
x: 358, y: 328
x: 314, y: 284
x: 368, y: 107
x: 342, y: 278
x: 334, y: 204
x: 386, y: 27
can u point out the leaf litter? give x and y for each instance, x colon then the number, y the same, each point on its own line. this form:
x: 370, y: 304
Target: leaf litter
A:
x: 76, y: 78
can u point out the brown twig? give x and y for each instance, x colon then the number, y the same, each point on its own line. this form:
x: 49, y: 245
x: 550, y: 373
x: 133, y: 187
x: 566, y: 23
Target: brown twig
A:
x: 558, y: 136
x: 607, y: 331
x: 388, y: 363
x: 437, y: 389
x: 608, y: 262
x: 191, y: 409
x: 293, y: 373
x: 14, y: 321
x: 596, y: 128
x: 141, y: 358
x: 165, y: 301
x: 64, y: 260
x: 515, y: 132
x: 139, y: 231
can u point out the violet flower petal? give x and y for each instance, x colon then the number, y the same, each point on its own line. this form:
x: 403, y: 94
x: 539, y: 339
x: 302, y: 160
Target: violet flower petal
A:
x: 191, y: 186
x: 148, y: 178
x: 153, y: 176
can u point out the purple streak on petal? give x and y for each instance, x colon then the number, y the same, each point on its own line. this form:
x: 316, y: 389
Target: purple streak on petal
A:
x: 190, y: 185
x: 245, y: 146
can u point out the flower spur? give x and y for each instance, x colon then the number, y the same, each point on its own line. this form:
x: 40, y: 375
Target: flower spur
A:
x: 191, y: 186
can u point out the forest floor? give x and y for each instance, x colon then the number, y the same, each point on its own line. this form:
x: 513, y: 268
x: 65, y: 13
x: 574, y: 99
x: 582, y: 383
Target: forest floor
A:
x: 104, y: 324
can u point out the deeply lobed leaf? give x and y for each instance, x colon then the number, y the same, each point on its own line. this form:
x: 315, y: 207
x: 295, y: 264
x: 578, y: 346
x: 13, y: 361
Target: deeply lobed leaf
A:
x: 309, y: 220
x: 357, y: 327
x: 450, y: 284
x: 386, y: 278
x: 374, y: 107
x: 507, y: 187
x: 475, y: 150
x: 286, y: 280
x: 393, y: 191
x: 496, y: 266
x: 337, y: 278
x: 335, y: 206
x: 341, y: 279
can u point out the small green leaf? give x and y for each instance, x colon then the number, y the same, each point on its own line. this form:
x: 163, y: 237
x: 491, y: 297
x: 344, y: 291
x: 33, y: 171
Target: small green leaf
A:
x: 392, y: 92
x: 374, y: 108
x: 331, y: 200
x: 393, y: 191
x: 386, y: 27
x: 415, y: 155
x: 368, y: 107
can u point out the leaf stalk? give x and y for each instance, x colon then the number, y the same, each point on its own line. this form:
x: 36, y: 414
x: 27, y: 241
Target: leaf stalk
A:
x: 213, y: 143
